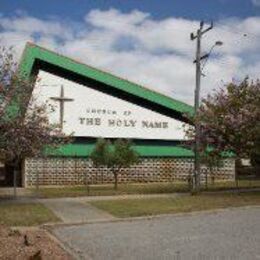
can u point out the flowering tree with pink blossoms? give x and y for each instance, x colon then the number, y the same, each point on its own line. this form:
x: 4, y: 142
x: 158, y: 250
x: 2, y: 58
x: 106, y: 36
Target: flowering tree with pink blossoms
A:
x: 229, y: 121
x: 25, y: 130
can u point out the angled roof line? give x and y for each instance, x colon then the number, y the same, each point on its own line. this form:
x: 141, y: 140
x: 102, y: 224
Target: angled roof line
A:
x: 33, y: 52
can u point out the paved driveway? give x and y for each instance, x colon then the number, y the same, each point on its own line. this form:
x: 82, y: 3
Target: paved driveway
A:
x: 226, y: 234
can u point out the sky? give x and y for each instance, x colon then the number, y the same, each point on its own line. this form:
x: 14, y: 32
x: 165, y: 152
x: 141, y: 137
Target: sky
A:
x: 144, y: 41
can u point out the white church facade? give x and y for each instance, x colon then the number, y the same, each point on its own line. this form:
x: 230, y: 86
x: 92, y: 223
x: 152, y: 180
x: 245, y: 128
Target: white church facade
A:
x: 90, y: 103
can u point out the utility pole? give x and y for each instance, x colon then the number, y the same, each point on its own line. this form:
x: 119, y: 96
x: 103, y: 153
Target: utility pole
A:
x: 198, y: 37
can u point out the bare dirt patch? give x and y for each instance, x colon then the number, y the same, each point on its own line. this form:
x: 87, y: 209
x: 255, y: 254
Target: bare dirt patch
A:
x: 31, y: 244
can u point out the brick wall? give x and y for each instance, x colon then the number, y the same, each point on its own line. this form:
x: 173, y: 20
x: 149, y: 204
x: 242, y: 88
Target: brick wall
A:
x: 79, y: 171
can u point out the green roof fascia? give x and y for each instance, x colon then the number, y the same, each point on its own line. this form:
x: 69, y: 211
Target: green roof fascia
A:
x: 33, y: 52
x: 26, y: 62
x: 24, y: 70
x: 84, y: 150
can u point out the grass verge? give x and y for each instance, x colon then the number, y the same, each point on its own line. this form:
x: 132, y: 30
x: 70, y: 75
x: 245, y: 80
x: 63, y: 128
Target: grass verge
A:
x: 25, y: 214
x: 148, y: 188
x: 108, y: 189
x: 144, y: 207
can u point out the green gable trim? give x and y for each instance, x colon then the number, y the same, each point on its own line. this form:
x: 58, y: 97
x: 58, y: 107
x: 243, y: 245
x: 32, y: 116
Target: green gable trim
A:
x: 84, y: 150
x: 33, y: 52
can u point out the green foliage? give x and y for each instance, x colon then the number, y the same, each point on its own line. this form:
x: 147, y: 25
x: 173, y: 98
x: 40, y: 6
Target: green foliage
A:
x: 99, y: 155
x: 115, y: 157
x: 122, y: 155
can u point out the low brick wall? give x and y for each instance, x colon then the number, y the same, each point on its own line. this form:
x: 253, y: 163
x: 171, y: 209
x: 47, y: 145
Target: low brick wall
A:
x: 79, y: 171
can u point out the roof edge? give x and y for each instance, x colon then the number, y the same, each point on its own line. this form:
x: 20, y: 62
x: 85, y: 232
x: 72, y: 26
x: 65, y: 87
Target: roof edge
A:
x: 33, y: 52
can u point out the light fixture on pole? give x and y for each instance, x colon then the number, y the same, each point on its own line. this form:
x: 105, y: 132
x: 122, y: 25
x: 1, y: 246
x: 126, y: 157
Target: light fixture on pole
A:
x: 206, y: 56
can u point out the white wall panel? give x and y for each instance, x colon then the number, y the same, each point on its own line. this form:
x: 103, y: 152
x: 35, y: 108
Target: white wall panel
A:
x: 95, y: 114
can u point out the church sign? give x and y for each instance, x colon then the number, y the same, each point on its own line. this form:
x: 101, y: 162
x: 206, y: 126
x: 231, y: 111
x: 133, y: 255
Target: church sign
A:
x: 86, y: 112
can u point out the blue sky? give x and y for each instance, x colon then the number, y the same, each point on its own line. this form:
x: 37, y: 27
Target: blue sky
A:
x: 194, y: 9
x: 145, y: 41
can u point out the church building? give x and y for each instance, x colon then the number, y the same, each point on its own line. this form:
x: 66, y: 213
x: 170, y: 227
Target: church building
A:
x: 91, y: 103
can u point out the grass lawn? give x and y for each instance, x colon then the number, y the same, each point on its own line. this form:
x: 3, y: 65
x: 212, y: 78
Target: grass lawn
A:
x: 143, y: 207
x: 108, y: 189
x: 25, y: 214
x: 148, y: 188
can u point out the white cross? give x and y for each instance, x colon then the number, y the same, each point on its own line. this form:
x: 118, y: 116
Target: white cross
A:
x: 61, y: 99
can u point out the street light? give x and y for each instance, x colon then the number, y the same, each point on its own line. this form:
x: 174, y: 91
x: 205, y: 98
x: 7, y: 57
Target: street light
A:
x: 206, y: 56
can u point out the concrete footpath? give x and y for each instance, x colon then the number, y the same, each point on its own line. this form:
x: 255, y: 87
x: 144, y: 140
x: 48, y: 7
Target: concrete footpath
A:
x: 78, y: 210
x: 75, y: 211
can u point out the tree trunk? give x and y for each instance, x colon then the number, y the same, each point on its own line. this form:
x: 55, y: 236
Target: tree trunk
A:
x: 237, y: 166
x: 37, y: 183
x: 15, y: 182
x: 116, y: 180
x: 87, y: 183
x: 16, y: 171
x: 206, y: 179
x: 194, y: 189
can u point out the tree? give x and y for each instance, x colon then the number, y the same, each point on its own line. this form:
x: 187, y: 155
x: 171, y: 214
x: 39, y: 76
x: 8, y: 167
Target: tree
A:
x: 25, y: 130
x: 229, y: 120
x: 116, y: 157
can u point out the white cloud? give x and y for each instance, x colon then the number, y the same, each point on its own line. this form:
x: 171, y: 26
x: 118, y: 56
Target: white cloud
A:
x: 115, y: 20
x: 155, y: 53
x: 256, y: 2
